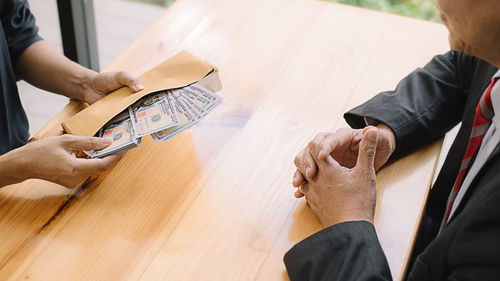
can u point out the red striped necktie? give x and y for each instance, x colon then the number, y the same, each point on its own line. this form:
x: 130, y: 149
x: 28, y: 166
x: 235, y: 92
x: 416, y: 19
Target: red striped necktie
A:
x: 482, y: 121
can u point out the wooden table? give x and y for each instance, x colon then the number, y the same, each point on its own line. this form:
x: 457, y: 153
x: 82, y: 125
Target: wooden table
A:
x: 216, y: 202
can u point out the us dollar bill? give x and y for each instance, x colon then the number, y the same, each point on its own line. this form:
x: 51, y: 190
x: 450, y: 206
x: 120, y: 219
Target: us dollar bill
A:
x: 187, y: 119
x: 202, y: 97
x: 121, y: 131
x: 195, y: 110
x: 163, y: 115
x: 192, y: 102
x: 153, y: 113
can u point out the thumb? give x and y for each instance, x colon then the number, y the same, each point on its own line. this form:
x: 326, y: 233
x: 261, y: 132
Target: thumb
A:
x: 72, y: 142
x: 367, y: 149
x: 125, y: 79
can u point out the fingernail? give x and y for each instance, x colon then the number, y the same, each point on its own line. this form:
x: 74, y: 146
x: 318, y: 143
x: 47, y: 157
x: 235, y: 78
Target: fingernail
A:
x: 139, y: 87
x: 106, y: 140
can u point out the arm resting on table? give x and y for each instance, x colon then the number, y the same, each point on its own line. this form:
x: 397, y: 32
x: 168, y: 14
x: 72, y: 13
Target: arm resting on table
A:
x: 425, y: 105
x: 345, y: 251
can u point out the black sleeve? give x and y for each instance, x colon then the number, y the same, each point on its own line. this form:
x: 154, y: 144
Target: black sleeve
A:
x: 19, y: 27
x: 425, y: 105
x: 345, y: 251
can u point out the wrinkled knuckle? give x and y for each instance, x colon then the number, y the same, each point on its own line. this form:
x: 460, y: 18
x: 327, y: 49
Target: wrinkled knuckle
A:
x: 329, y: 135
x: 94, y: 142
x: 312, y: 144
x: 297, y: 174
x: 315, y: 146
x: 348, y: 131
x: 118, y: 77
x: 296, y: 160
x: 127, y: 78
x: 65, y: 138
x: 370, y: 151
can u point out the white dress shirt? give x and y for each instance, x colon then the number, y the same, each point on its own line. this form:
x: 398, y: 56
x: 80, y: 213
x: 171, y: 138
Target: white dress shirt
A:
x: 488, y: 144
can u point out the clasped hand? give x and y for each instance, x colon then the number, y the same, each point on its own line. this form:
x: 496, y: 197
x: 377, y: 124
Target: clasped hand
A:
x: 337, y: 173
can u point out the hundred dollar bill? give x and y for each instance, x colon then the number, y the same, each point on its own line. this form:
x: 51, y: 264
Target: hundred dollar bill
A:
x: 193, y: 102
x: 202, y: 97
x: 189, y: 105
x: 122, y: 132
x: 153, y: 113
x: 187, y: 119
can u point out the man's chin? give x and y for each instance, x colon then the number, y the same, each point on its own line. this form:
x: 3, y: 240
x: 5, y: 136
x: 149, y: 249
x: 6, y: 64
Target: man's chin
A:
x: 456, y: 44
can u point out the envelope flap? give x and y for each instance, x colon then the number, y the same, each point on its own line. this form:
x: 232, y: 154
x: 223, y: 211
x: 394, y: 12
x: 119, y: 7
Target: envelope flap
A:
x: 178, y: 71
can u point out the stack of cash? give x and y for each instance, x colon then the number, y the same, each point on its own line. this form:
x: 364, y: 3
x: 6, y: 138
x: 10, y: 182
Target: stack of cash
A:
x: 163, y: 115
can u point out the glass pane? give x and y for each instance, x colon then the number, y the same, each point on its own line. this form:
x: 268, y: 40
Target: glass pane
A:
x: 118, y: 24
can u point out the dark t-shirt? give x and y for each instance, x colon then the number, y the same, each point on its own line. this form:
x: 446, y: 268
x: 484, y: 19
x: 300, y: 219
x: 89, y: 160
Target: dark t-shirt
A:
x: 17, y: 32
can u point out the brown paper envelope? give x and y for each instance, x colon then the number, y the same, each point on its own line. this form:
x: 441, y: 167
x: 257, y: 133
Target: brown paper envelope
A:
x: 178, y: 71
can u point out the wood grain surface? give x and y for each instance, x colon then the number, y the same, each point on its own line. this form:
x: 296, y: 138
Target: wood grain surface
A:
x: 216, y: 202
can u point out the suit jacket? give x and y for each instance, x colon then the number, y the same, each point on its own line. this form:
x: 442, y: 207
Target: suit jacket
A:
x: 425, y: 105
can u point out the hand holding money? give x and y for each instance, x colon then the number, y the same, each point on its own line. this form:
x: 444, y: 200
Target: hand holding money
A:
x: 163, y: 115
x: 53, y: 159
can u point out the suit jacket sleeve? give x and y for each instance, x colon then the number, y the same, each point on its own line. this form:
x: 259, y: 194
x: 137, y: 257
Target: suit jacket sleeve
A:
x: 345, y: 251
x: 425, y: 105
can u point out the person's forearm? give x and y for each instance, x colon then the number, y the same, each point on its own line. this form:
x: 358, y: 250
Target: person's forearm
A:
x: 43, y: 66
x: 11, y: 168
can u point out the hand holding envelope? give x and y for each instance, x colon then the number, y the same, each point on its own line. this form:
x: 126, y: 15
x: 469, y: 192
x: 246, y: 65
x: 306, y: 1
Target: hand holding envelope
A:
x: 177, y: 94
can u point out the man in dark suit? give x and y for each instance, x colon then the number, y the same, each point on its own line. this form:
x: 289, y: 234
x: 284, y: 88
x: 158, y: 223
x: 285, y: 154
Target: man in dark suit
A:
x: 459, y: 235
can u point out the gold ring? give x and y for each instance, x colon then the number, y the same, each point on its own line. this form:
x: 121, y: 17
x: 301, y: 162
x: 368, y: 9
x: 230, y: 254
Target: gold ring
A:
x: 300, y: 187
